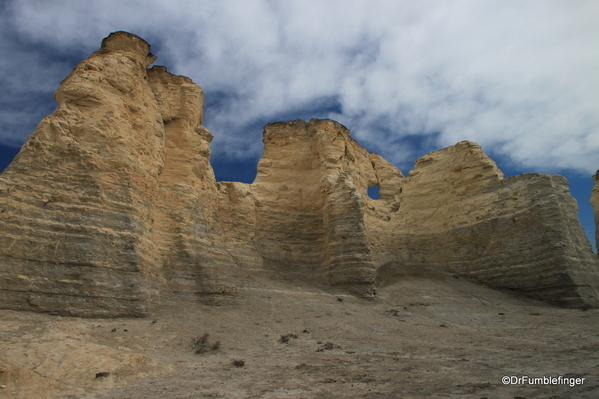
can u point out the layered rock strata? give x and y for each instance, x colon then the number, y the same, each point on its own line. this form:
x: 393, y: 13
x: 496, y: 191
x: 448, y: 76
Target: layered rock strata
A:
x: 310, y: 215
x: 110, y: 200
x: 458, y: 213
x: 112, y: 204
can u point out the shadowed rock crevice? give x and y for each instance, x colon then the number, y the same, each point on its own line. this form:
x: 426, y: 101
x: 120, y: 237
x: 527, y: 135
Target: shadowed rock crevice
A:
x: 112, y: 205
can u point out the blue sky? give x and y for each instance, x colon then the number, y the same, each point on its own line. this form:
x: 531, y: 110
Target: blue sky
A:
x: 517, y: 76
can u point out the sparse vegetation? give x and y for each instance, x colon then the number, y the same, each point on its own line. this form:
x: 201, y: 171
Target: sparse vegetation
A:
x: 285, y: 338
x: 202, y: 344
x: 327, y: 347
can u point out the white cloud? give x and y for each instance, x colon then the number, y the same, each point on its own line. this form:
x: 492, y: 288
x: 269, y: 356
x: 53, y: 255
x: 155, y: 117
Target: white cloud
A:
x: 519, y: 77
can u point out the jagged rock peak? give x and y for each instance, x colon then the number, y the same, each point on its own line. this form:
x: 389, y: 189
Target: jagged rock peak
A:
x: 100, y: 191
x: 128, y: 42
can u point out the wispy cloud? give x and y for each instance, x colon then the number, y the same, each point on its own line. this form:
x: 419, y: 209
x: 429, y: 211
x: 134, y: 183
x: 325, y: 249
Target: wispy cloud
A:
x: 519, y: 77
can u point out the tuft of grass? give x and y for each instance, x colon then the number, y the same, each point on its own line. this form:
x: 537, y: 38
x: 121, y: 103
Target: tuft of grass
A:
x: 327, y: 347
x: 201, y: 344
x: 285, y: 338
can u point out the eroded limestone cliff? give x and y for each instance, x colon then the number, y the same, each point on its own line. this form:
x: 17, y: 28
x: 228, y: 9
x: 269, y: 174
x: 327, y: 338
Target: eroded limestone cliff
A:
x: 304, y: 214
x: 112, y: 204
x: 458, y: 213
x: 111, y: 200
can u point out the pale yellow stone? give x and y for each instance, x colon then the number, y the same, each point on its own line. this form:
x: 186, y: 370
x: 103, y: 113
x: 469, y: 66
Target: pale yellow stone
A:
x: 112, y: 205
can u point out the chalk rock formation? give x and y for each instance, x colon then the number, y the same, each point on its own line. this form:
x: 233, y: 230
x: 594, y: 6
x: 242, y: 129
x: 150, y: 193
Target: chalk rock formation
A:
x: 310, y: 215
x: 110, y: 200
x: 458, y: 213
x: 112, y: 204
x: 304, y: 214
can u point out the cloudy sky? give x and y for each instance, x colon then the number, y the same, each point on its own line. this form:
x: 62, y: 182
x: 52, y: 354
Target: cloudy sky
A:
x: 520, y: 77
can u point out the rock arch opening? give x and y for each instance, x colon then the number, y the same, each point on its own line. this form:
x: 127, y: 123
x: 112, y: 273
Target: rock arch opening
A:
x: 373, y: 192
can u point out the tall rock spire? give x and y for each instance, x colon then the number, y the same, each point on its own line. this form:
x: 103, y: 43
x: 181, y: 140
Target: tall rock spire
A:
x: 88, y: 229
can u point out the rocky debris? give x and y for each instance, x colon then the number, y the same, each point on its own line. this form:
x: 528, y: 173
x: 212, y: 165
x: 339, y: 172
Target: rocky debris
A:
x: 112, y: 204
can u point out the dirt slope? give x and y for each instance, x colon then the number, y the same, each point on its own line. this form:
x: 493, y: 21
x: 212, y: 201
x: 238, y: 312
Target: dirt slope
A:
x: 427, y: 335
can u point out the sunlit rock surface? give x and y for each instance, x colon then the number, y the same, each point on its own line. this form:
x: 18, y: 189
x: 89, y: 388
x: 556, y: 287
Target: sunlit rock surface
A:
x: 112, y: 205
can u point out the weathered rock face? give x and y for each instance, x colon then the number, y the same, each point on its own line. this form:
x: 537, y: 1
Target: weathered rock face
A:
x: 454, y: 212
x: 87, y: 215
x: 457, y: 213
x: 306, y: 216
x: 112, y: 203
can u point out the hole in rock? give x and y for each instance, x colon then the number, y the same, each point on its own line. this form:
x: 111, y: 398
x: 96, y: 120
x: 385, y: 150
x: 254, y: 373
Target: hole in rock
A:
x: 243, y: 171
x: 373, y: 192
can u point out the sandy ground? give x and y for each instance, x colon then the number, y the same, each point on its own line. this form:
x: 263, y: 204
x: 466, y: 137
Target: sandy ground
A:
x: 426, y: 336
